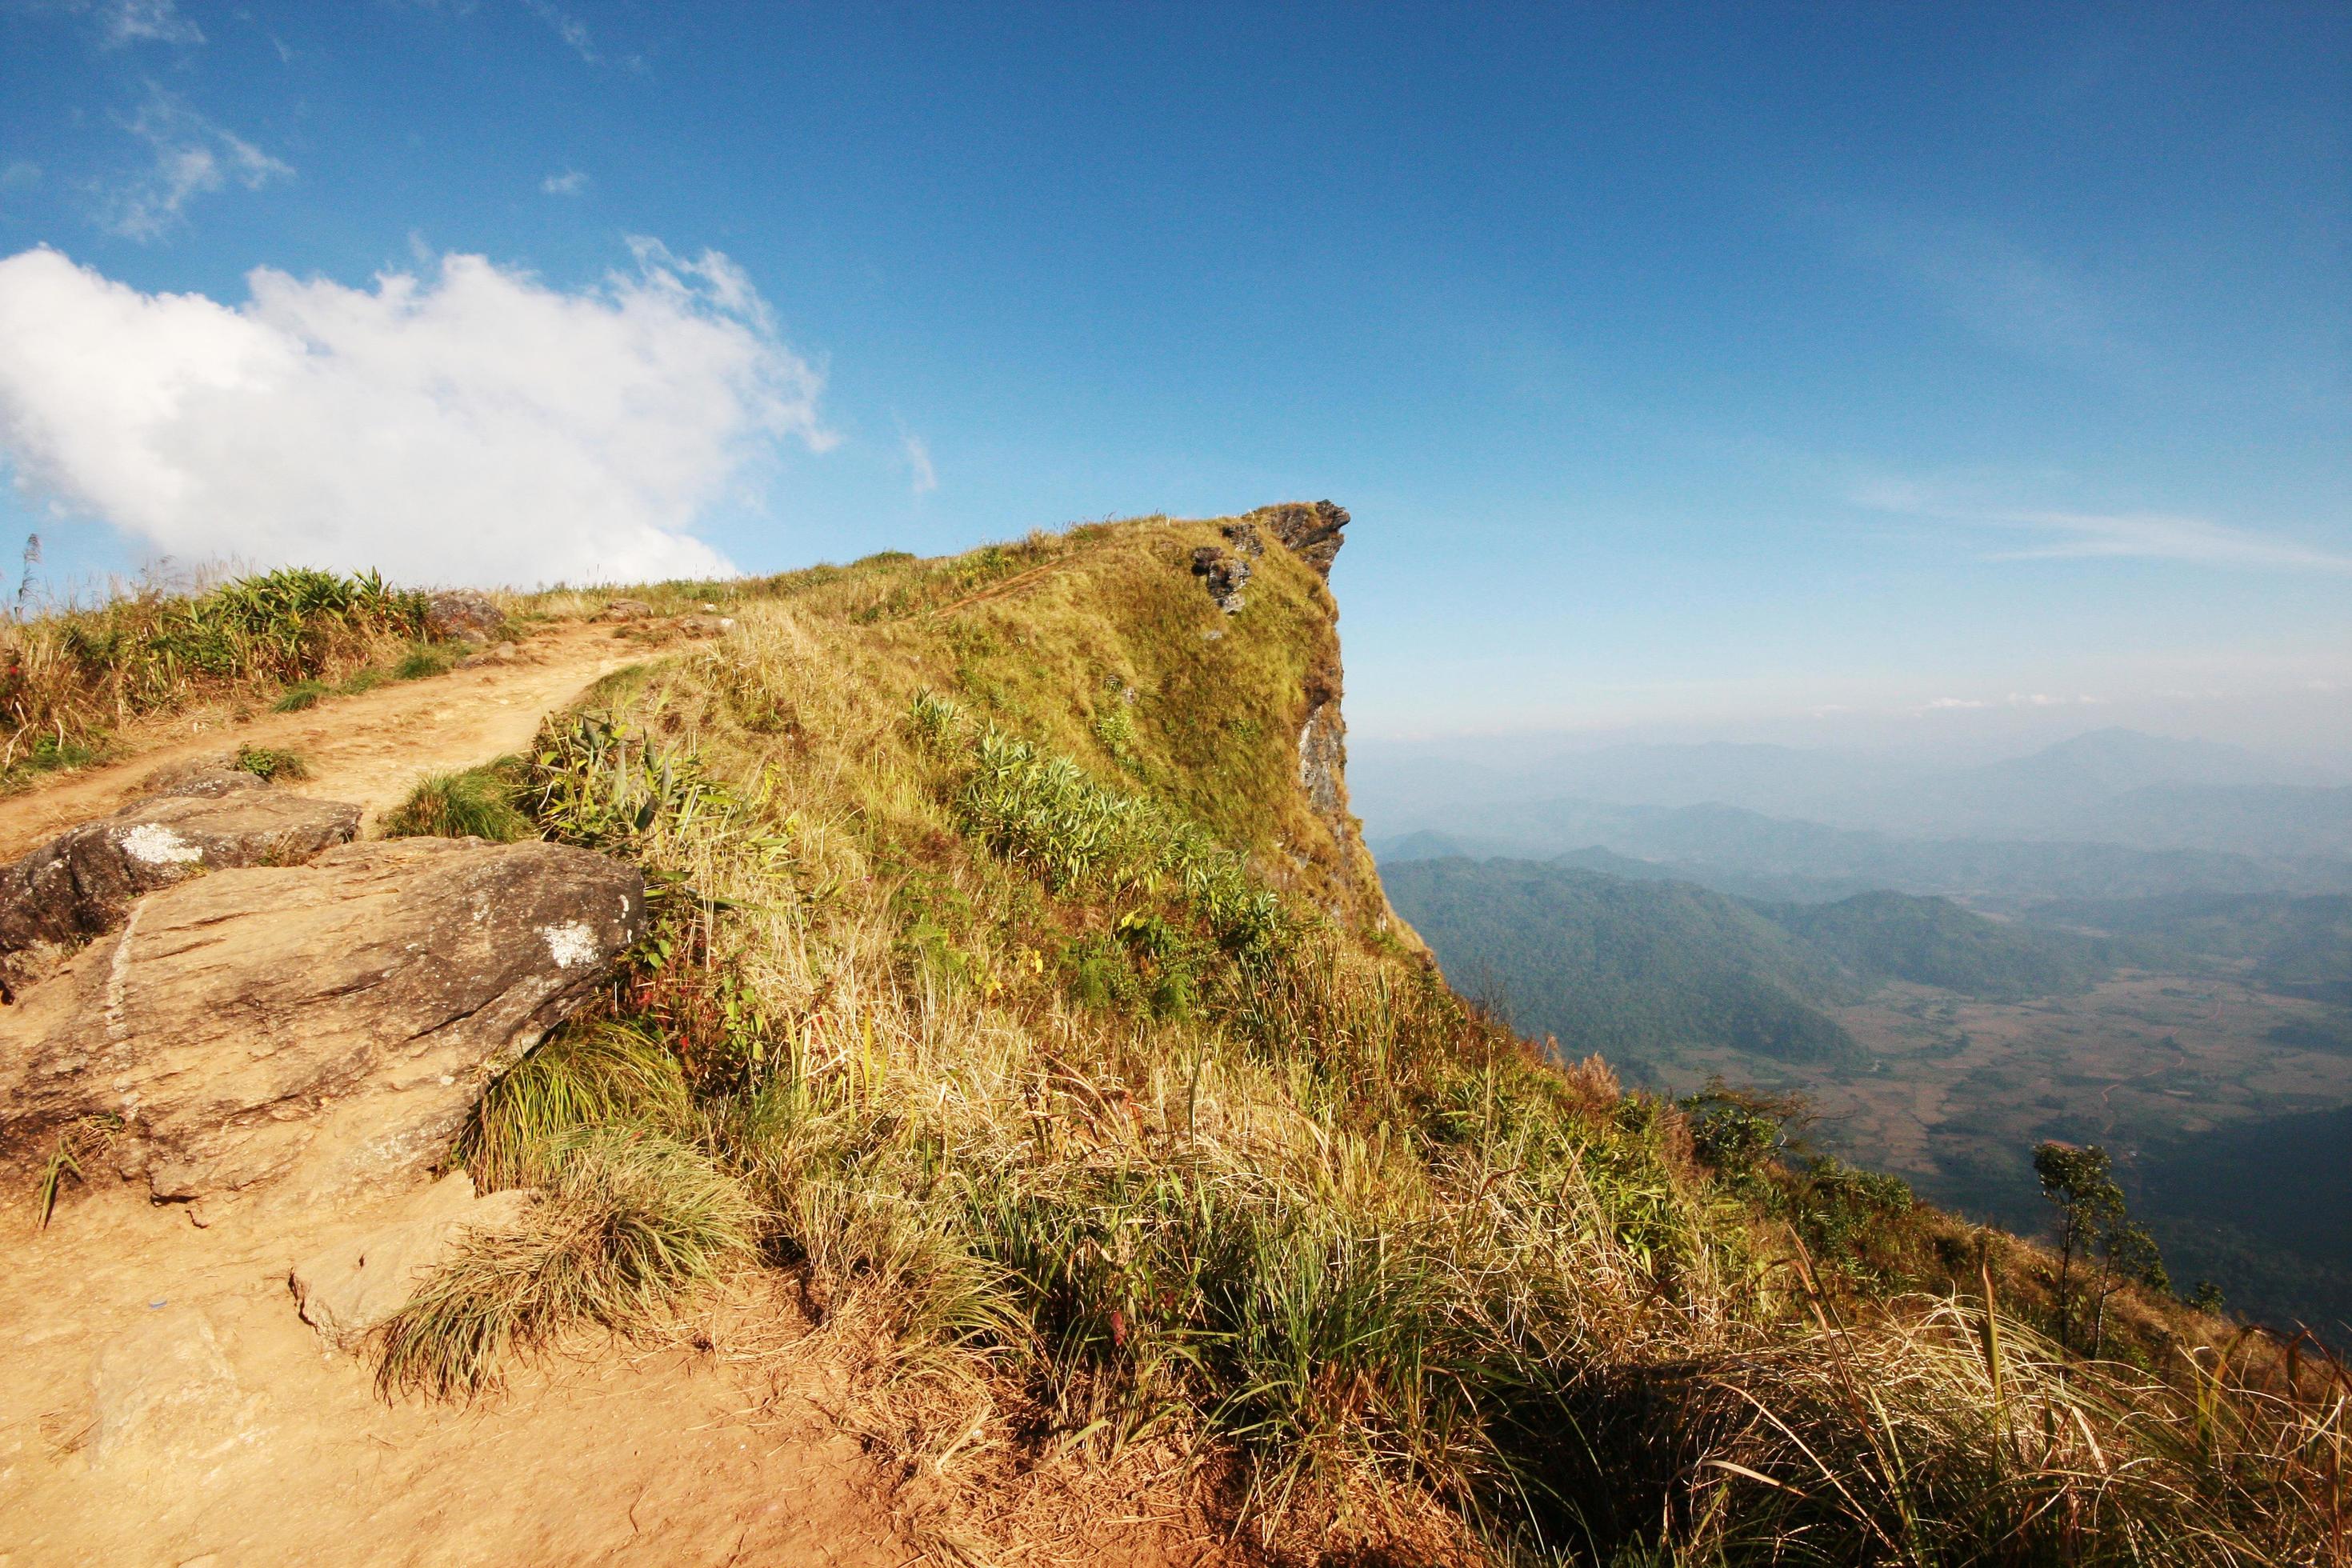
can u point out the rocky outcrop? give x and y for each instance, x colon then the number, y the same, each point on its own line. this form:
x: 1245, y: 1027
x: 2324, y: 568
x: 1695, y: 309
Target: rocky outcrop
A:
x: 461, y: 614
x: 314, y: 1029
x: 349, y: 1291
x: 1311, y: 529
x: 1224, y: 575
x: 1226, y: 571
x: 83, y: 883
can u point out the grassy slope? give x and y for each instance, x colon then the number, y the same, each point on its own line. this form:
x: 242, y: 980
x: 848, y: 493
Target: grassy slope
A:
x: 1092, y: 1152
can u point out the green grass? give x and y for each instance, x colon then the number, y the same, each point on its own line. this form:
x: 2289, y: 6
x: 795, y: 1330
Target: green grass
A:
x: 301, y: 696
x: 477, y: 803
x: 272, y: 764
x: 73, y: 674
x: 421, y: 663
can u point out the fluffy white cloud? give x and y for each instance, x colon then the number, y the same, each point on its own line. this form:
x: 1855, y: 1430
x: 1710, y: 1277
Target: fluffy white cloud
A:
x: 570, y: 183
x: 474, y: 425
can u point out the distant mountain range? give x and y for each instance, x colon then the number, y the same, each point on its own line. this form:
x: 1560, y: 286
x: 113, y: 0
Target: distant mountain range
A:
x: 1639, y: 969
x: 1745, y: 852
x: 2111, y: 813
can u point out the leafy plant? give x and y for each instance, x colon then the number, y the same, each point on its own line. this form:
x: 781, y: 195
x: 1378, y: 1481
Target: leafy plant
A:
x: 272, y: 762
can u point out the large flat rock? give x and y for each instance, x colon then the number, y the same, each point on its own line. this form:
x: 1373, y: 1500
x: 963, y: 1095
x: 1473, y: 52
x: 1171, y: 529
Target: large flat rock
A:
x: 83, y: 883
x: 316, y: 1027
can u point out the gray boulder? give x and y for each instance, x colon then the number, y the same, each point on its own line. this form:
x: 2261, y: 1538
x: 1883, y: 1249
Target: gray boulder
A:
x: 461, y: 614
x: 83, y: 883
x: 312, y: 1029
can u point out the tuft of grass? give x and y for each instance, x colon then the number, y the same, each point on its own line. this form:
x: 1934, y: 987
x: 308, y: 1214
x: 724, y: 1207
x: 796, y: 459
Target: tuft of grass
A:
x: 301, y: 695
x: 85, y: 1136
x: 360, y: 680
x: 272, y: 764
x: 478, y: 803
x: 421, y: 663
x: 627, y: 1223
x: 605, y: 1074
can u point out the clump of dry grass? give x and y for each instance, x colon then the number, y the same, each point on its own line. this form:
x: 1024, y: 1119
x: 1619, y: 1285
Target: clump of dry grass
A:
x: 477, y: 803
x: 628, y: 1221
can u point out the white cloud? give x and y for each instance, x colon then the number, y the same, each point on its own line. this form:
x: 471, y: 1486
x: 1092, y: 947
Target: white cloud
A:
x: 569, y: 28
x: 570, y: 183
x: 122, y: 22
x: 192, y: 157
x: 1999, y: 290
x: 2063, y: 535
x: 473, y: 425
x: 924, y: 477
x: 2014, y: 700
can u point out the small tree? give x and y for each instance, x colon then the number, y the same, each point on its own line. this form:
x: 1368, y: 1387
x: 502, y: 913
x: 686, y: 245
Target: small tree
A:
x: 2093, y: 1221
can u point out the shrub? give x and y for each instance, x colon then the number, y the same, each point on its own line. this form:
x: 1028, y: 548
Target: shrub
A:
x: 272, y: 764
x: 479, y: 803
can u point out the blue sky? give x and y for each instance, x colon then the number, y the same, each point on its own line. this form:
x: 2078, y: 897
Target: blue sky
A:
x: 1831, y: 371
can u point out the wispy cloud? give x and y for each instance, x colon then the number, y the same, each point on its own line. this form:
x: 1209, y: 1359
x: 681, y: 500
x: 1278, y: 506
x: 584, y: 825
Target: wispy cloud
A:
x: 2057, y: 534
x: 192, y: 157
x: 924, y: 477
x: 123, y: 22
x: 2001, y: 289
x: 571, y: 183
x: 2014, y: 700
x: 569, y: 28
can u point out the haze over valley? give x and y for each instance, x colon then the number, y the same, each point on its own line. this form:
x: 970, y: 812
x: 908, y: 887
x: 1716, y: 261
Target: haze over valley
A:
x: 2118, y: 939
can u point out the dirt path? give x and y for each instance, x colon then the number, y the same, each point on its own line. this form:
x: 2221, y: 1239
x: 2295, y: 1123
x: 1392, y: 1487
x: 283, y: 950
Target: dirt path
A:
x: 368, y: 749
x: 709, y: 1443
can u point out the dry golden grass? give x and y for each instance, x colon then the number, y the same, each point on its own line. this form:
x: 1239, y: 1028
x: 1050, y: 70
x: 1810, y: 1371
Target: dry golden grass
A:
x: 1303, y: 1246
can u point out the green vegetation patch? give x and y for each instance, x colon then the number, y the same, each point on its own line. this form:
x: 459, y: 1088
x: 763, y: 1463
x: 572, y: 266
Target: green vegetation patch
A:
x: 477, y: 803
x: 272, y: 764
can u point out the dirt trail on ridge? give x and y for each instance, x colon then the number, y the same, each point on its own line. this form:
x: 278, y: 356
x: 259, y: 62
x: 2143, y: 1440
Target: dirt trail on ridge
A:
x: 368, y: 749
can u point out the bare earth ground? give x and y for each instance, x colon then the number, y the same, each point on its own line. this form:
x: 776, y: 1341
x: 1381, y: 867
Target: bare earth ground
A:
x: 651, y: 1454
x: 711, y: 1446
x: 369, y: 748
